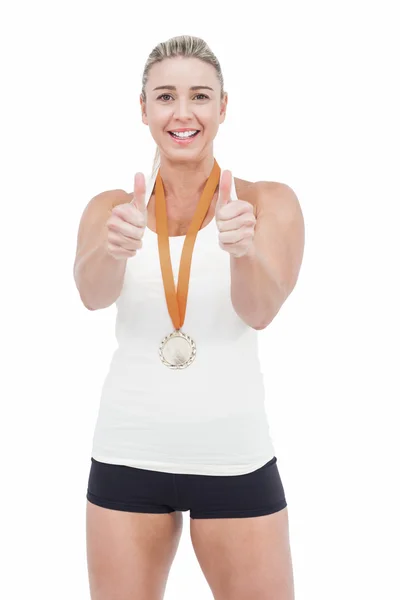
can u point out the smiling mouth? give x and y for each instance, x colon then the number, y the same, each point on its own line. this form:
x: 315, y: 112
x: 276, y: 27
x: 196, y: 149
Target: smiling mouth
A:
x: 183, y: 137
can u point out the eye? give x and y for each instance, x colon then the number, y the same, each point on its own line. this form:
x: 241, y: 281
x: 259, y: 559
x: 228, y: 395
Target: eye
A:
x: 169, y: 96
x: 163, y: 95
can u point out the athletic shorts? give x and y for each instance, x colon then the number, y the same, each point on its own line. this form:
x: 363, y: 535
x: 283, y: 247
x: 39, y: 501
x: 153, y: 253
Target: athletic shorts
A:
x: 132, y: 489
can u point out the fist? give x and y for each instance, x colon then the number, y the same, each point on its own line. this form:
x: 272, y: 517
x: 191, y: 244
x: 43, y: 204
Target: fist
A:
x: 235, y: 220
x: 127, y: 223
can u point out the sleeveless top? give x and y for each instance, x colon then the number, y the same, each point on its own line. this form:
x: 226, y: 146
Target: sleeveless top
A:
x: 207, y: 419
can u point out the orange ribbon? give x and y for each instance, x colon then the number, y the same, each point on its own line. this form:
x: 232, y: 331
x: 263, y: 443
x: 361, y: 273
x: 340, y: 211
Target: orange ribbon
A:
x: 177, y: 300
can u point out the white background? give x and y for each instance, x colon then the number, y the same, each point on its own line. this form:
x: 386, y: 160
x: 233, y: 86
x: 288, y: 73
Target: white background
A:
x: 314, y: 103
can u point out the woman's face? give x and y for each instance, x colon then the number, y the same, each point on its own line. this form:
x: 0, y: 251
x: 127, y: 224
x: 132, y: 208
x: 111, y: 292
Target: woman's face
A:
x: 174, y: 105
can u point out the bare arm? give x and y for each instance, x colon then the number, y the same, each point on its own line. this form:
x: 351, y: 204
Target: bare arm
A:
x: 264, y: 278
x: 98, y: 275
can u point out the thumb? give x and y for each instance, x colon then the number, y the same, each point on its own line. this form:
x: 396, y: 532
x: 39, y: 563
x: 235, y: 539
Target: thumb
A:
x: 225, y: 185
x: 139, y: 193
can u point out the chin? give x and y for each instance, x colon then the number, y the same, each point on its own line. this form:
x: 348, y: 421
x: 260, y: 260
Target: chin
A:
x: 183, y: 153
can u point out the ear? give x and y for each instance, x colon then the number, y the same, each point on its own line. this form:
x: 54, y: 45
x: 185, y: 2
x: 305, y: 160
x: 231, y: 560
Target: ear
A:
x: 224, y: 104
x: 143, y: 110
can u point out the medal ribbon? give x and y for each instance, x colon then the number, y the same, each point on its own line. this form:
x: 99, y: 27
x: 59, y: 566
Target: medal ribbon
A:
x: 177, y: 300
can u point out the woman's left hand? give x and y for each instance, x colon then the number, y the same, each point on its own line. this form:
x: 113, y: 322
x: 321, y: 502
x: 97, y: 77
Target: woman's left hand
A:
x: 235, y: 220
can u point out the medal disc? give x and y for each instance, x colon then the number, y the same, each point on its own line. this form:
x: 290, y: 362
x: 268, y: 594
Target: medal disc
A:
x: 177, y: 350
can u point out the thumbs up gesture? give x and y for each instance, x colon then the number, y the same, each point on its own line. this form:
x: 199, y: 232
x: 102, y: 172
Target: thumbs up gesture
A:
x: 127, y: 223
x: 235, y: 220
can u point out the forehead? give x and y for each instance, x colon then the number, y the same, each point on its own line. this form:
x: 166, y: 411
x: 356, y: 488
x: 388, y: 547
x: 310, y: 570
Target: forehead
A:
x: 182, y: 72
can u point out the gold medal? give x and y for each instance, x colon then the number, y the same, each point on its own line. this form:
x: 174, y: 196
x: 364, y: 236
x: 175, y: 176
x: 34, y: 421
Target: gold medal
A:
x: 178, y: 350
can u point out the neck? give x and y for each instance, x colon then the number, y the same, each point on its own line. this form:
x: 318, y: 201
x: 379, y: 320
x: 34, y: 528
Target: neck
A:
x: 185, y: 181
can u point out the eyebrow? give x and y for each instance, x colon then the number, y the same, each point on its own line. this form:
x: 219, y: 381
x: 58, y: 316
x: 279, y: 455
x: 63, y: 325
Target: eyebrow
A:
x: 194, y: 87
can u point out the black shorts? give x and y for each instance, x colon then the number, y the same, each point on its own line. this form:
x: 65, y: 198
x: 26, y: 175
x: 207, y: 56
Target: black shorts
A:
x: 120, y: 487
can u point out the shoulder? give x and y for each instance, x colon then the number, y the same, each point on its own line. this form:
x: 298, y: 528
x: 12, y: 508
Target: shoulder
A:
x: 99, y: 209
x: 244, y: 189
x: 269, y: 197
x: 105, y: 201
x: 113, y: 197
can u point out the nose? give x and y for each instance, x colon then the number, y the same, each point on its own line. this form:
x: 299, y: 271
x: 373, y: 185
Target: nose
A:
x: 182, y: 109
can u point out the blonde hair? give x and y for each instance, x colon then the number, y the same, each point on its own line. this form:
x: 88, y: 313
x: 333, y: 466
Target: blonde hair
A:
x: 183, y: 46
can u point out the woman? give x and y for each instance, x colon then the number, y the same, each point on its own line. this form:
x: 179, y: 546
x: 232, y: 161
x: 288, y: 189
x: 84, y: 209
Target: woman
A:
x: 181, y: 424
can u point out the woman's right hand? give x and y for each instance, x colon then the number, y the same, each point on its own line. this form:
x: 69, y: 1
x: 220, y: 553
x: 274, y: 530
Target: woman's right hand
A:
x: 127, y: 223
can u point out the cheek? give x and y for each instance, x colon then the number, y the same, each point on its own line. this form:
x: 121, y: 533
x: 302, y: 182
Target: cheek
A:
x: 158, y: 116
x: 211, y: 126
x: 157, y: 123
x: 209, y: 118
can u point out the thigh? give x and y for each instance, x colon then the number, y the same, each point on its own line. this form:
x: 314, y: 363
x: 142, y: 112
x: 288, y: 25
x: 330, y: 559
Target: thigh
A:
x: 245, y: 558
x: 129, y: 554
x: 132, y: 531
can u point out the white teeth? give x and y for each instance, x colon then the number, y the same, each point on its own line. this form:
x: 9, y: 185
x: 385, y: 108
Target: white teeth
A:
x: 184, y: 134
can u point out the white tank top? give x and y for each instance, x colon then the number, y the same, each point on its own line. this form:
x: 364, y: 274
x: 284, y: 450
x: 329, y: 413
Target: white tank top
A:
x: 207, y: 419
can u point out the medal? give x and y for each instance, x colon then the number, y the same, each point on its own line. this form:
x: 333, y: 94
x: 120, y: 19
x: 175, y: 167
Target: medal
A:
x: 177, y: 350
